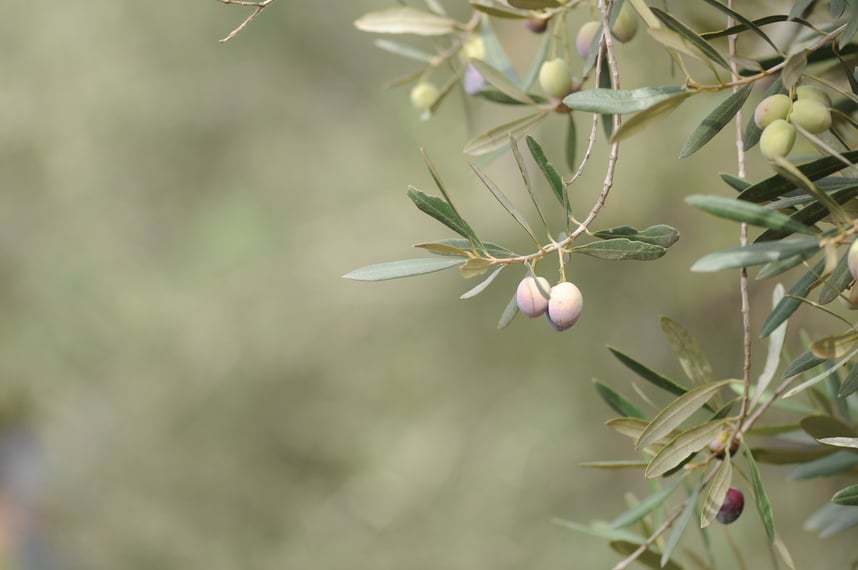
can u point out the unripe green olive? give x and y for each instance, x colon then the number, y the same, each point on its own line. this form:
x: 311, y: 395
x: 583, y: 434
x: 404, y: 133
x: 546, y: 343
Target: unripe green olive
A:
x: 811, y: 92
x: 564, y: 305
x: 532, y: 295
x: 852, y: 259
x: 555, y: 79
x: 585, y: 36
x: 424, y: 95
x: 474, y: 48
x: 810, y: 114
x: 536, y: 26
x: 777, y: 139
x: 772, y: 108
x: 626, y: 25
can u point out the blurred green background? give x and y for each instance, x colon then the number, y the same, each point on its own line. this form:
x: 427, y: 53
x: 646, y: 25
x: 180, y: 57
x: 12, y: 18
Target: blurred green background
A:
x: 204, y: 388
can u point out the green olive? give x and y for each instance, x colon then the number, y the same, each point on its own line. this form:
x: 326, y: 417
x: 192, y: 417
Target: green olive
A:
x: 810, y: 114
x: 777, y: 139
x: 555, y: 79
x: 424, y: 95
x: 772, y: 108
x: 626, y: 25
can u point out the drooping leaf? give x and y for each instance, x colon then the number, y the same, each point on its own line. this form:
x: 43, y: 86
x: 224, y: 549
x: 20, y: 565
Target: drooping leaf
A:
x: 649, y: 374
x: 820, y: 426
x: 509, y: 313
x: 754, y: 254
x: 764, y: 507
x: 735, y: 182
x: 678, y: 411
x: 620, y: 248
x: 551, y: 174
x: 646, y: 506
x: 717, y: 491
x: 442, y: 211
x: 790, y: 303
x: 403, y: 268
x: 498, y: 137
x: 688, y: 351
x: 621, y: 101
x: 716, y: 120
x: 773, y: 357
x: 748, y: 212
x: 661, y: 234
x: 618, y: 402
x: 798, y: 8
x: 803, y: 362
x: 483, y: 285
x: 794, y: 69
x: 680, y: 525
x: 680, y: 447
x: 691, y: 36
x: 777, y: 185
x: 500, y: 81
x: 788, y: 170
x: 833, y: 464
x: 648, y: 558
x: 846, y: 496
x: 405, y: 20
x: 742, y: 20
x: 440, y: 247
x: 522, y: 169
x: 504, y: 202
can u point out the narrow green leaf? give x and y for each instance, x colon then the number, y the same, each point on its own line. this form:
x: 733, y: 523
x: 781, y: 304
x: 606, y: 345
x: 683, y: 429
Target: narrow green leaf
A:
x: 820, y: 426
x: 474, y: 267
x: 442, y: 211
x: 620, y: 249
x: 648, y: 558
x: 832, y: 519
x: 717, y: 491
x: 643, y: 118
x: 483, y: 285
x: 661, y: 234
x: 774, y: 268
x: 621, y: 101
x: 773, y: 429
x: 519, y: 161
x: 790, y: 303
x: 490, y: 248
x: 820, y: 377
x: 509, y: 313
x: 833, y: 464
x: 442, y: 249
x: 618, y: 402
x: 691, y: 36
x: 850, y: 383
x: 764, y: 507
x: 846, y: 496
x: 405, y: 20
x: 748, y: 212
x: 850, y: 442
x: 503, y: 83
x: 495, y: 54
x: 773, y: 355
x: 504, y: 202
x: 646, y: 506
x: 744, y: 21
x: 680, y: 525
x: 403, y: 50
x: 620, y: 464
x: 649, y: 374
x: 797, y: 10
x: 604, y: 82
x: 716, y: 120
x: 811, y: 213
x: 600, y: 529
x: 851, y: 28
x: 735, y: 182
x: 754, y: 254
x: 498, y: 137
x: 551, y: 174
x: 629, y: 427
x: 678, y: 411
x: 688, y: 351
x: 498, y: 10
x: 786, y: 169
x: 683, y: 445
x: 403, y: 268
x: 544, y: 50
x: 777, y: 185
x: 676, y: 43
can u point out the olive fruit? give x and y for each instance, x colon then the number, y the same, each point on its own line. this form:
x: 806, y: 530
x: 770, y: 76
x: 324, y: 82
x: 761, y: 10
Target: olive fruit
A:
x: 718, y: 445
x: 555, y: 79
x: 537, y: 26
x: 564, y: 305
x: 810, y: 92
x: 473, y: 81
x: 474, y: 48
x: 626, y: 25
x: 585, y: 36
x: 424, y: 95
x: 852, y: 259
x: 734, y: 502
x: 772, y: 108
x: 777, y: 139
x: 810, y: 114
x: 532, y: 296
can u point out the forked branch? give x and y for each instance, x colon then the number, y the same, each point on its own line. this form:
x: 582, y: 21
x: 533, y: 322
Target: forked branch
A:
x: 259, y: 7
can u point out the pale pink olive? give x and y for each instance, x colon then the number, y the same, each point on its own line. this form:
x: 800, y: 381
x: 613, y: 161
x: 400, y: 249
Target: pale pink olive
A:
x: 424, y: 95
x: 810, y: 114
x: 777, y: 139
x: 626, y: 25
x: 564, y: 305
x: 532, y: 296
x: 585, y: 36
x: 555, y: 79
x: 811, y: 92
x: 772, y: 108
x: 537, y: 26
x: 852, y: 259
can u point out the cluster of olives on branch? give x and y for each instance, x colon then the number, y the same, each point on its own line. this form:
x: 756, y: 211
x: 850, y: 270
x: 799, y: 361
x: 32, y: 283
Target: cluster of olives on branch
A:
x: 779, y: 114
x: 561, y: 304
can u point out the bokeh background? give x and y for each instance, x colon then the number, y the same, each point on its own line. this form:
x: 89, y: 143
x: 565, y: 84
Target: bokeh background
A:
x: 187, y: 382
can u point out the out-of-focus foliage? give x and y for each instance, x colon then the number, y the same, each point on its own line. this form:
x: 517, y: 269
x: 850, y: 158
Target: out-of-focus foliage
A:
x: 203, y: 388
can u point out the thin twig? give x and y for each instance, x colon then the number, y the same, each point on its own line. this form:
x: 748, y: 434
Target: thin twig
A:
x: 622, y: 564
x: 260, y: 6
